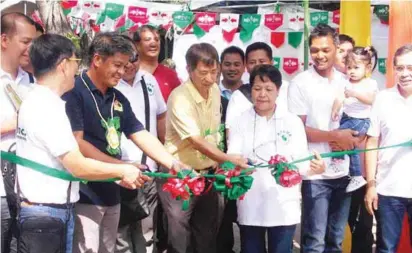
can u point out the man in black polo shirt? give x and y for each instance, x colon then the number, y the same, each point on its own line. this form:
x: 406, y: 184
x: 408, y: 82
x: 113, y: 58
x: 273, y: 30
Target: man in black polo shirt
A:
x: 99, y: 114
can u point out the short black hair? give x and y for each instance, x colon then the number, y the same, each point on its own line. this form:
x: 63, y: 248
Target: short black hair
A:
x: 47, y: 51
x: 201, y: 52
x: 343, y: 38
x: 108, y: 44
x: 324, y: 30
x: 39, y: 28
x: 259, y: 46
x: 405, y: 49
x: 266, y: 70
x: 137, y: 35
x: 8, y: 22
x: 232, y: 50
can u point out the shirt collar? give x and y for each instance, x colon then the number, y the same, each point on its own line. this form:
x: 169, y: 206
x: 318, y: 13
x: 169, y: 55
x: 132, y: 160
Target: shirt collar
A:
x: 20, y: 74
x: 280, y: 112
x: 195, y: 93
x: 336, y: 75
x: 90, y: 83
x: 49, y: 93
x: 223, y: 88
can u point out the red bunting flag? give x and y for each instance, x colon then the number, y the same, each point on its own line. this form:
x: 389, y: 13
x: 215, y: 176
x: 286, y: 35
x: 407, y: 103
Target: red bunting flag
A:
x: 277, y: 39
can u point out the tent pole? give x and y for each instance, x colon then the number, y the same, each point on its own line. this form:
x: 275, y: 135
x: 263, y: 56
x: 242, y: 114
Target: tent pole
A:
x: 306, y: 34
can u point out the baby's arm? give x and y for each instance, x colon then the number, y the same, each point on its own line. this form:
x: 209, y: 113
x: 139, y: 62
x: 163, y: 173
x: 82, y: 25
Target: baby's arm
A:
x: 337, y: 106
x: 366, y: 97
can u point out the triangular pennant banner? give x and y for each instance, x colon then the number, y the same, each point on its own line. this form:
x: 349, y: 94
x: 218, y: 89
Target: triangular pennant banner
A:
x: 319, y: 17
x: 336, y: 17
x: 120, y: 22
x: 137, y: 14
x: 182, y: 19
x: 382, y: 65
x: 101, y: 18
x: 92, y: 8
x: 68, y: 4
x: 114, y: 11
x: 229, y: 23
x: 295, y: 20
x: 276, y: 62
x: 290, y: 65
x: 273, y: 21
x: 295, y: 38
x: 160, y: 18
x: 205, y: 20
x: 249, y: 23
x: 382, y: 11
x: 277, y: 39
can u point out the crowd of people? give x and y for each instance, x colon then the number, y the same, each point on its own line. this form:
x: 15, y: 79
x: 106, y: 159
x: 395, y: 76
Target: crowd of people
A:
x: 127, y: 114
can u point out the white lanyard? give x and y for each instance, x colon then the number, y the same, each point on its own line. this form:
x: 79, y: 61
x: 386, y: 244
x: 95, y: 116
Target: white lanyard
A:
x: 95, y: 102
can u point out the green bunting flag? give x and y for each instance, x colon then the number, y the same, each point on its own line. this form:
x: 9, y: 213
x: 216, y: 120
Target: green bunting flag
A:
x: 276, y: 62
x: 382, y: 11
x: 182, y: 19
x: 114, y: 11
x: 319, y: 17
x: 382, y: 65
x: 248, y: 22
x: 295, y: 39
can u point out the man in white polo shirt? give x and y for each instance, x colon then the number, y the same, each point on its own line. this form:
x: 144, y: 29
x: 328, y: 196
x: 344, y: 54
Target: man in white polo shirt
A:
x: 44, y: 135
x: 143, y: 93
x: 17, y: 32
x: 388, y: 171
x: 310, y: 96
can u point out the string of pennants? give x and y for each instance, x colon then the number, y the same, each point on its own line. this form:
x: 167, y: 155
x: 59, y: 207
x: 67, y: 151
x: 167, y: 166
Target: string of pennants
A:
x: 291, y: 64
x: 100, y: 16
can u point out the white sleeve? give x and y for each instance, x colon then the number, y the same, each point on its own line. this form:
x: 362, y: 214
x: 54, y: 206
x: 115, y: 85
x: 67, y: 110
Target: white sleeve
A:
x: 235, y: 140
x: 60, y: 139
x: 161, y: 104
x: 373, y: 85
x: 374, y: 128
x: 297, y: 103
x: 233, y: 110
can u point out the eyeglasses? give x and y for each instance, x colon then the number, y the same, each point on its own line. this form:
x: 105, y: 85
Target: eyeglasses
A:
x: 74, y: 59
x: 134, y: 58
x: 401, y: 68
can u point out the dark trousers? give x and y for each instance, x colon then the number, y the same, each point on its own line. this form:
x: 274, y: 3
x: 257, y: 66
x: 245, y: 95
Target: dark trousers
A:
x: 361, y: 126
x: 325, y: 211
x: 195, y: 229
x: 280, y: 239
x: 389, y: 217
x: 360, y: 223
x: 8, y: 229
x: 225, y: 237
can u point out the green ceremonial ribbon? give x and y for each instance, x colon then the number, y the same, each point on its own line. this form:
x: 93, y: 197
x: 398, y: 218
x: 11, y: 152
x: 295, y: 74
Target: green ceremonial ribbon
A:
x: 69, y: 177
x: 351, y: 152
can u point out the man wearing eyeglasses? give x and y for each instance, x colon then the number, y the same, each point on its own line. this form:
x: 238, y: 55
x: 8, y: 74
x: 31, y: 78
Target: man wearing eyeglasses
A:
x: 143, y: 93
x: 388, y: 171
x: 99, y: 115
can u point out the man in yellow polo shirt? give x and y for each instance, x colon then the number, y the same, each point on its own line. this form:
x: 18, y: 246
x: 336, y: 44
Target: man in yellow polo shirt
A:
x: 192, y: 135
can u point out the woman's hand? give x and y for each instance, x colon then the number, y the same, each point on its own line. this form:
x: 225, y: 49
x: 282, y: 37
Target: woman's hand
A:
x: 317, y: 165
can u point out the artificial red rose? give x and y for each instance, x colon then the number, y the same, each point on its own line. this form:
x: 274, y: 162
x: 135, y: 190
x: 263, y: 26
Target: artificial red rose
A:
x: 290, y: 178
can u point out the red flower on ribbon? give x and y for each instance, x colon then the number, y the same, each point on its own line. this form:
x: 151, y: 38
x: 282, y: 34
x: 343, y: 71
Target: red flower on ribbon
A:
x: 184, y: 185
x: 285, y: 174
x: 290, y: 178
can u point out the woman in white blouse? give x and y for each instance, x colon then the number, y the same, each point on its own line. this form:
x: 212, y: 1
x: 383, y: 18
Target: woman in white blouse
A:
x: 263, y: 131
